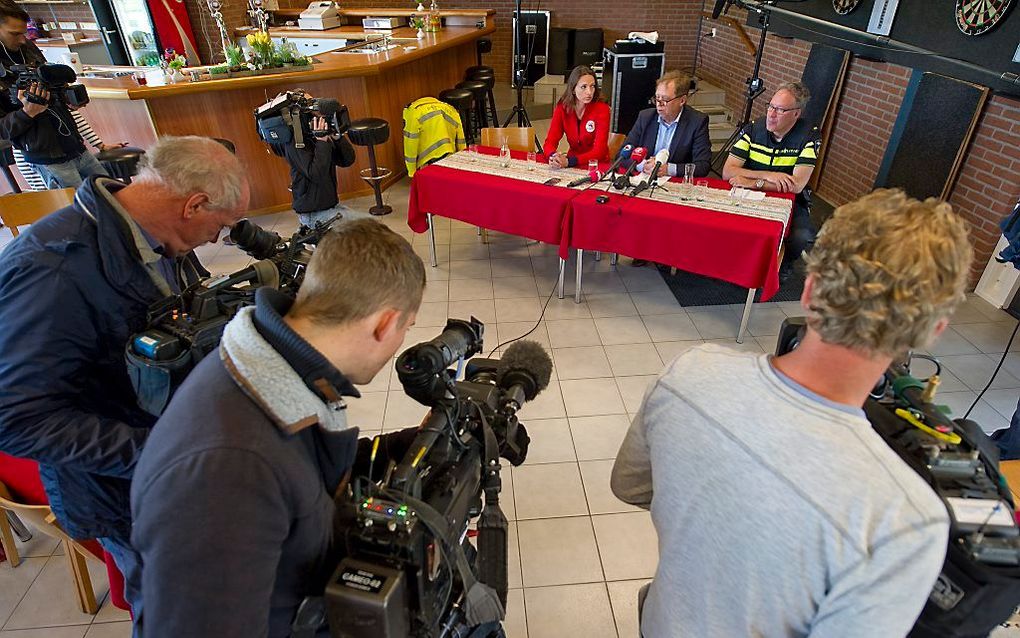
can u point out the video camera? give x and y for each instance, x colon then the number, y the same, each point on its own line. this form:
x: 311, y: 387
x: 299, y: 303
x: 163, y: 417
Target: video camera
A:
x: 183, y: 328
x: 58, y: 79
x: 409, y: 568
x: 979, y: 586
x: 288, y: 116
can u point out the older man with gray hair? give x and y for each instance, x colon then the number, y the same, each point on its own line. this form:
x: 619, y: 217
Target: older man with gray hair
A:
x: 73, y: 288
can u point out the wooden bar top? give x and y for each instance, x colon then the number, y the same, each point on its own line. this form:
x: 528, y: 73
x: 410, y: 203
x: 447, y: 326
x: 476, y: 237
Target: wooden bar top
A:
x: 327, y: 66
x: 393, y: 13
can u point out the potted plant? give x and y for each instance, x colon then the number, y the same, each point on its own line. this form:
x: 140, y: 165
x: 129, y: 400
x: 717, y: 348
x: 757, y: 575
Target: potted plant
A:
x: 235, y: 61
x: 303, y: 60
x: 418, y: 22
x: 175, y: 66
x: 262, y: 49
x: 219, y: 69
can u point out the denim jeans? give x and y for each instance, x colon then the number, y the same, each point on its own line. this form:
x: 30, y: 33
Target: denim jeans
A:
x: 1008, y: 439
x: 310, y: 219
x: 72, y: 173
x: 129, y: 564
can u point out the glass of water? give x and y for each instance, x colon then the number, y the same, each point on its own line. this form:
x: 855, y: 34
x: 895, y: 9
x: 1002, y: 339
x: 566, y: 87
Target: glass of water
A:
x: 473, y: 152
x: 701, y: 189
x: 688, y: 174
x: 593, y: 165
x: 532, y: 160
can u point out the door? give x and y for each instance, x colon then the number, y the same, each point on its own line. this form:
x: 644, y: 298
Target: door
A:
x: 109, y: 31
x: 137, y: 32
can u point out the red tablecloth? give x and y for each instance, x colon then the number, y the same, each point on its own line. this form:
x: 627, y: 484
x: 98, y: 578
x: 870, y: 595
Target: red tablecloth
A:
x: 498, y: 203
x: 735, y: 248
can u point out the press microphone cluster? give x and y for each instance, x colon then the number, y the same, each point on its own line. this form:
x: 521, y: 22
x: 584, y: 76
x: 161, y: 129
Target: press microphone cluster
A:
x: 636, y: 157
x: 661, y: 158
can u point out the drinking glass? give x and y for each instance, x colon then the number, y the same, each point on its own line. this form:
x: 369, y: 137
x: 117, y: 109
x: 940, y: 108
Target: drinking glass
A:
x: 504, y: 156
x: 473, y: 150
x: 593, y: 165
x: 701, y: 189
x: 532, y: 160
x: 688, y: 174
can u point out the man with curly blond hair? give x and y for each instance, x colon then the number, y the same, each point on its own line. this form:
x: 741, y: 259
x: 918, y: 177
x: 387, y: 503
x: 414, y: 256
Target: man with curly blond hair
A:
x: 779, y: 511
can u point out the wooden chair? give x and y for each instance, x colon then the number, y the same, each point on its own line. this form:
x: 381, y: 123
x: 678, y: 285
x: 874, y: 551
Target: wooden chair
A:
x: 22, y: 209
x: 517, y: 138
x: 616, y: 141
x: 42, y: 519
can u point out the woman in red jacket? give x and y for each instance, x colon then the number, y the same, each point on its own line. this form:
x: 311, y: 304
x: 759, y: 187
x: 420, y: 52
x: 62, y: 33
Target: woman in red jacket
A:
x: 583, y: 118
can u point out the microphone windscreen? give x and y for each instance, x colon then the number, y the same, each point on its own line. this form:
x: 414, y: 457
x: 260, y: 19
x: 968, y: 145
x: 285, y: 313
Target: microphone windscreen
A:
x: 719, y: 4
x: 57, y: 74
x: 626, y: 151
x: 639, y: 154
x: 662, y: 157
x: 594, y: 175
x: 528, y: 357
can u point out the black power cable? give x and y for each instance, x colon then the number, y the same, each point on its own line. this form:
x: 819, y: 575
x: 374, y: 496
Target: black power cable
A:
x: 995, y: 372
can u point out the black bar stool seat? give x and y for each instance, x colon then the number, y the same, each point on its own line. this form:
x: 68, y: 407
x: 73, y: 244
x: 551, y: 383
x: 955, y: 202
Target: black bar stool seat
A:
x: 489, y: 77
x: 121, y: 163
x: 460, y: 99
x: 480, y: 91
x: 368, y: 132
x: 483, y: 45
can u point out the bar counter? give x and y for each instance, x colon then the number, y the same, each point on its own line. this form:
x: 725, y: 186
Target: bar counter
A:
x: 370, y: 84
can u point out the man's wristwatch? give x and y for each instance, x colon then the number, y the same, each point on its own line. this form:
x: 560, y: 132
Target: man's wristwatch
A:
x: 759, y: 183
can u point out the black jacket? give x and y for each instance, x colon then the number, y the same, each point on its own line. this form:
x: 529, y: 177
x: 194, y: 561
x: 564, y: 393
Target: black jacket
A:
x: 313, y: 181
x: 49, y: 138
x: 690, y: 144
x: 72, y: 291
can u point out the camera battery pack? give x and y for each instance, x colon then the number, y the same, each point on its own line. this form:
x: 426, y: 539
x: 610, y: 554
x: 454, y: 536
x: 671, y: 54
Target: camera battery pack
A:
x: 365, y: 600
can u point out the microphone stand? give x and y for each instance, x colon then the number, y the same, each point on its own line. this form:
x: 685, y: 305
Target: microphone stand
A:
x: 520, y: 63
x: 755, y: 83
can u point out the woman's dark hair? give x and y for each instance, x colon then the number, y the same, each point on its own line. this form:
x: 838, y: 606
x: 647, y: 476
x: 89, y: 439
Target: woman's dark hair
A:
x: 568, y: 99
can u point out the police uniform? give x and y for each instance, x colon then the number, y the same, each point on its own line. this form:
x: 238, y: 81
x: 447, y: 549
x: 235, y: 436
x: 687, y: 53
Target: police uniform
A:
x: 760, y: 151
x: 432, y: 130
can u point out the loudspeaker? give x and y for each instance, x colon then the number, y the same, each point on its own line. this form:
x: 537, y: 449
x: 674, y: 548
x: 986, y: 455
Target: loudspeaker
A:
x: 587, y: 47
x: 532, y: 44
x: 628, y: 81
x: 561, y: 46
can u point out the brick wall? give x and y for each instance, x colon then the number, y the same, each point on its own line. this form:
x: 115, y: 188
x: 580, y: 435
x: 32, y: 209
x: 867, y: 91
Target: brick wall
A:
x: 989, y: 180
x: 79, y: 13
x: 207, y: 35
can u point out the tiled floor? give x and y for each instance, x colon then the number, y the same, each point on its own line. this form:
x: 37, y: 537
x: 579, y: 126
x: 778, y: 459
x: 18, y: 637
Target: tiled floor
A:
x: 578, y: 555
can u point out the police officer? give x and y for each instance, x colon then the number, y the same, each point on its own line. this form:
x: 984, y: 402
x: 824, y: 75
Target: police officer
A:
x: 778, y: 153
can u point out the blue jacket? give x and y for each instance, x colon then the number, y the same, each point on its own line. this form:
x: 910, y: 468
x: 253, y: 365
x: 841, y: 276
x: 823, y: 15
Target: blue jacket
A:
x: 690, y: 144
x: 72, y: 291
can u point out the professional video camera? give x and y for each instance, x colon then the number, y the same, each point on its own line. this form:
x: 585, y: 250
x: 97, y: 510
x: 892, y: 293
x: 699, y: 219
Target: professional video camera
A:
x: 409, y: 568
x: 184, y: 328
x: 979, y: 586
x: 58, y: 79
x: 288, y: 116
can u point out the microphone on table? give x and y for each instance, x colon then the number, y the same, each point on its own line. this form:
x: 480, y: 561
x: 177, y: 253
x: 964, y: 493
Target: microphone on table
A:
x: 660, y: 158
x: 636, y: 157
x: 621, y: 157
x: 593, y: 177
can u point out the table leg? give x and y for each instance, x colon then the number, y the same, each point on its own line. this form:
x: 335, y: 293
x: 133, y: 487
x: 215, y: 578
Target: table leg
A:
x: 598, y: 255
x: 559, y: 284
x: 747, y: 314
x: 432, y: 241
x: 614, y: 258
x: 577, y: 276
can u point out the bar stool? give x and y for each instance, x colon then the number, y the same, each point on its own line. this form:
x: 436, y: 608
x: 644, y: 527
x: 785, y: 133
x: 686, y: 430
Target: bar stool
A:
x: 121, y: 163
x: 479, y: 91
x: 489, y: 77
x: 483, y: 45
x: 460, y: 99
x: 471, y: 70
x: 368, y: 132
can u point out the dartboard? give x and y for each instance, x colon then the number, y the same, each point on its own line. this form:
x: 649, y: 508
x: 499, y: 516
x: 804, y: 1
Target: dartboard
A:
x: 974, y: 17
x: 844, y: 7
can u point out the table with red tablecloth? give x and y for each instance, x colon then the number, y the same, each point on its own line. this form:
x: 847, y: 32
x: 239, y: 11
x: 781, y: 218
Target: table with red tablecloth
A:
x: 740, y: 249
x: 527, y: 209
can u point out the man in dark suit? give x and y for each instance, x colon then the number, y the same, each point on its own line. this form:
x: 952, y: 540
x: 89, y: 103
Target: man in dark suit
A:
x: 672, y: 125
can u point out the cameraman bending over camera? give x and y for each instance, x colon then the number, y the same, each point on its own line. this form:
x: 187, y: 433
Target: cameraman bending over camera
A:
x: 43, y: 130
x: 73, y: 288
x: 233, y: 496
x: 783, y: 513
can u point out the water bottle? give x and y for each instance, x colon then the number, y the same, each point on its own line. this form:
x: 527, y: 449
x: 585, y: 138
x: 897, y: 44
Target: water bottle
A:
x: 504, y: 155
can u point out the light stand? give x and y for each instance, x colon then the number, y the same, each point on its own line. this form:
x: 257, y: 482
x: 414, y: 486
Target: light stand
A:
x: 520, y: 64
x: 755, y: 83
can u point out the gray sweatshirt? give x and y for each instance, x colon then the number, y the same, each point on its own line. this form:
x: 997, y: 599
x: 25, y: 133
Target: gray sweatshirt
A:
x: 778, y: 513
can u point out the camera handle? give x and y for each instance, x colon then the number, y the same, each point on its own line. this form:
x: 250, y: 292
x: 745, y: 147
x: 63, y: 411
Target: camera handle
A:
x: 492, y: 524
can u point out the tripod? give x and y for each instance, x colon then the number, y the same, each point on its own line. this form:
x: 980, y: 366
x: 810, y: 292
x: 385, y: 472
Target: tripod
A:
x: 755, y: 84
x: 520, y: 65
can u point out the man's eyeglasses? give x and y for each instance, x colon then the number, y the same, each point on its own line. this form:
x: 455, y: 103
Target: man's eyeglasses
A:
x: 781, y: 110
x: 658, y: 101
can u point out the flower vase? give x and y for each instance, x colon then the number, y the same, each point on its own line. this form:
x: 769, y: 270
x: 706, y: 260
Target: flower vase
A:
x: 421, y: 33
x: 177, y: 76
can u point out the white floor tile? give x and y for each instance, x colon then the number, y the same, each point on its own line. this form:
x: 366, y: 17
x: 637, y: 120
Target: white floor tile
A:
x: 570, y: 610
x: 586, y: 362
x: 534, y: 496
x: 559, y: 551
x: 51, y: 602
x: 514, y: 287
x: 672, y: 327
x: 628, y: 545
x: 633, y: 389
x: 620, y: 330
x: 598, y: 437
x: 551, y: 442
x: 669, y: 350
x: 516, y: 622
x: 715, y: 324
x: 470, y: 289
x: 623, y: 595
x: 611, y: 305
x: 634, y: 359
x: 590, y: 397
x: 571, y: 333
x: 109, y: 630
x: 595, y: 476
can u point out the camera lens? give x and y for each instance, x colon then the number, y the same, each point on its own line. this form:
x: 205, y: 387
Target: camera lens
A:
x: 255, y: 240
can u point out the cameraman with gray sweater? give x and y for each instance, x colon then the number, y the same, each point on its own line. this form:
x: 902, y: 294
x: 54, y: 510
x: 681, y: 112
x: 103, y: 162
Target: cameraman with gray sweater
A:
x: 779, y: 510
